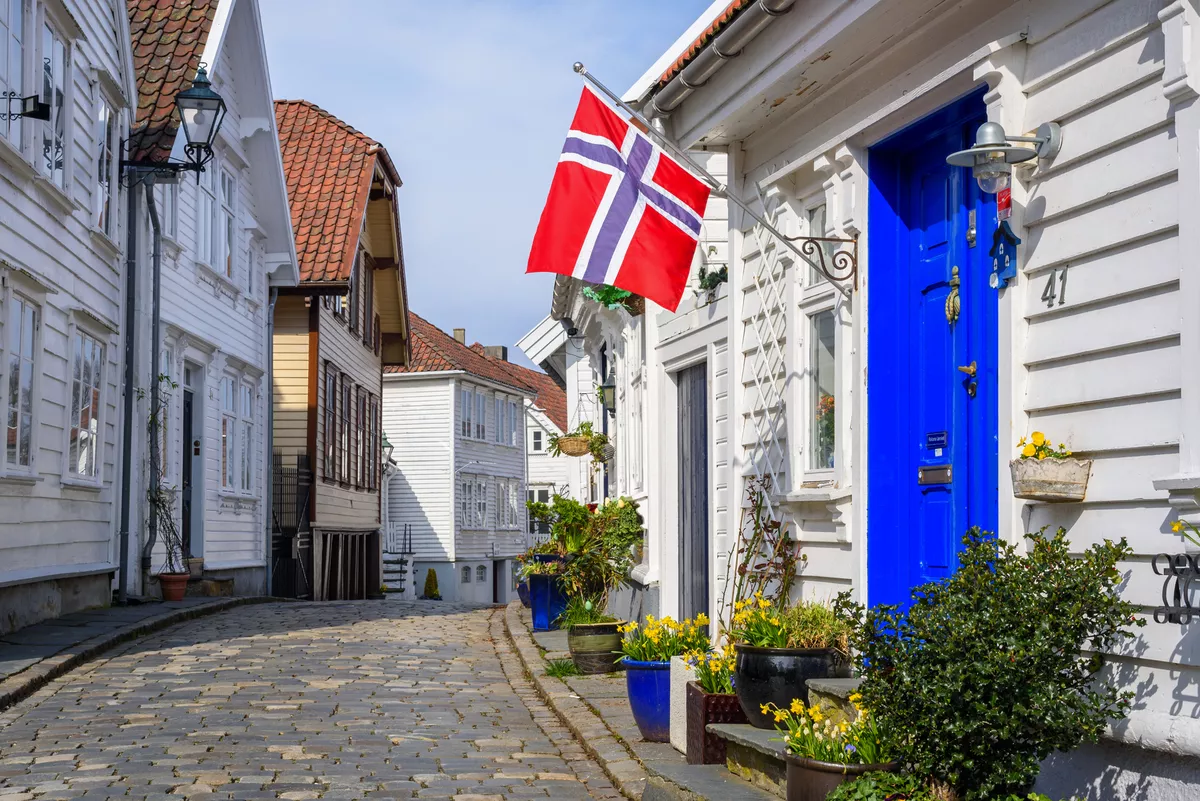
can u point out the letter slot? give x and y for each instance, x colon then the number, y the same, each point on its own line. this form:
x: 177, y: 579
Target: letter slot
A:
x: 935, y: 474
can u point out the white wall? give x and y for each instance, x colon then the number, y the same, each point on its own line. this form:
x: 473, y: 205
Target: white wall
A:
x: 417, y: 419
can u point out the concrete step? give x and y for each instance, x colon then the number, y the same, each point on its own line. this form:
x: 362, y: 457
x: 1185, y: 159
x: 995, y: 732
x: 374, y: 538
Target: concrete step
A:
x: 754, y: 755
x: 209, y: 587
x: 672, y: 781
x: 833, y: 695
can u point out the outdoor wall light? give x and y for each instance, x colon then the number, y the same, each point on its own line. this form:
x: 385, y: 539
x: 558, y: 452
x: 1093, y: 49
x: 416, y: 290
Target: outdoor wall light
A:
x: 608, y: 394
x: 202, y: 111
x: 992, y: 156
x: 387, y: 450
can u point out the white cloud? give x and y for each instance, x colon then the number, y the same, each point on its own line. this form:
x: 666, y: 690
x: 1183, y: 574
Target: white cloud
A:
x: 472, y: 100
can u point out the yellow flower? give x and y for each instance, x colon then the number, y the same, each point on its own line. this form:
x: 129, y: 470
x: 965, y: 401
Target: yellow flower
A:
x: 701, y: 619
x: 621, y: 504
x: 1039, y: 438
x: 765, y: 709
x: 1177, y: 526
x: 762, y: 604
x: 1028, y: 450
x: 1021, y: 441
x: 1041, y: 456
x: 815, y: 714
x: 797, y: 706
x: 780, y: 716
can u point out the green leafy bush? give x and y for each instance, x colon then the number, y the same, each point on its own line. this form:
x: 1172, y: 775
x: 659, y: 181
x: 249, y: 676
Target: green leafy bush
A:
x: 983, y: 677
x: 882, y: 787
x: 583, y: 612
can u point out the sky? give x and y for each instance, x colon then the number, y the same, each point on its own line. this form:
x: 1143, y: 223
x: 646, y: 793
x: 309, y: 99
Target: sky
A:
x: 472, y: 99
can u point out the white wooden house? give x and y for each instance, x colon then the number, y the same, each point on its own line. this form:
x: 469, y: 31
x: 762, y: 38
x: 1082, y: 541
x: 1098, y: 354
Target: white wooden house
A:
x: 62, y: 227
x: 546, y: 416
x: 456, y: 419
x: 226, y: 246
x: 835, y: 119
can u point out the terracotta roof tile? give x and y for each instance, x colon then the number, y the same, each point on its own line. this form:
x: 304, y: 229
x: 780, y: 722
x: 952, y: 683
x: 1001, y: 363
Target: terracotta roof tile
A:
x: 329, y: 167
x: 551, y: 398
x: 168, y: 38
x: 724, y: 18
x: 433, y: 350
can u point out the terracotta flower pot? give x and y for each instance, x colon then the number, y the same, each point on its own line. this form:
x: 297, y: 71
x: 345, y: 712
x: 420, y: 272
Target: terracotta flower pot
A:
x: 173, y: 585
x: 811, y: 780
x: 702, y: 709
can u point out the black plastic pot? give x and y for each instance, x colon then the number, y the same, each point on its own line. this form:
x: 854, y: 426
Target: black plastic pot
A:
x: 778, y: 675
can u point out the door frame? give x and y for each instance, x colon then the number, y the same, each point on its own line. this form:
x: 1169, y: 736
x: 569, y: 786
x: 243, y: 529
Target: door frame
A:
x: 197, y: 386
x: 884, y: 238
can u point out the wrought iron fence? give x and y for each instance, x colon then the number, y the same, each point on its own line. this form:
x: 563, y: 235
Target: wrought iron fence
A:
x: 291, y: 532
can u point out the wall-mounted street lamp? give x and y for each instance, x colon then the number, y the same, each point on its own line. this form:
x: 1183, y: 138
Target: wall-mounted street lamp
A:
x: 201, y: 111
x: 608, y: 393
x: 993, y: 154
x: 32, y: 107
x: 387, y: 450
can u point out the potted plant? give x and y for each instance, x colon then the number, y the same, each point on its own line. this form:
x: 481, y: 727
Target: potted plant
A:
x: 823, y: 752
x: 779, y: 649
x: 593, y: 637
x: 610, y: 297
x: 990, y: 671
x: 173, y: 578
x: 581, y: 441
x: 648, y: 650
x: 710, y: 699
x: 1043, y: 473
x: 430, y: 591
x: 885, y: 787
x: 541, y: 567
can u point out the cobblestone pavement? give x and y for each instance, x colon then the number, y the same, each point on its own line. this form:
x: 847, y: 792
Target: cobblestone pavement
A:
x: 298, y: 701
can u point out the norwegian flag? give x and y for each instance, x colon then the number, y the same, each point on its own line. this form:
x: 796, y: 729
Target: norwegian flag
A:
x: 620, y: 211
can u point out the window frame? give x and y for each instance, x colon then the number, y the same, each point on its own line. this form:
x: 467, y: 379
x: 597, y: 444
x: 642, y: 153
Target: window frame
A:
x: 536, y: 440
x: 207, y: 216
x: 227, y: 405
x: 480, y: 416
x: 329, y: 443
x: 352, y: 293
x: 368, y: 303
x: 36, y: 302
x: 466, y: 403
x: 465, y: 573
x: 344, y: 420
x: 498, y: 433
x: 481, y: 574
x: 21, y: 84
x: 49, y: 25
x: 105, y: 207
x: 481, y: 503
x: 227, y: 244
x: 246, y: 418
x: 166, y: 398
x: 514, y: 418
x: 168, y: 210
x: 97, y: 438
x: 466, y: 492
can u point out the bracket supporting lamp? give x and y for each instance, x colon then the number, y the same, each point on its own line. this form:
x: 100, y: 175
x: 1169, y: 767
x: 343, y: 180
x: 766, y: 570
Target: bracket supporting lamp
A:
x: 993, y: 154
x: 201, y: 110
x: 32, y: 107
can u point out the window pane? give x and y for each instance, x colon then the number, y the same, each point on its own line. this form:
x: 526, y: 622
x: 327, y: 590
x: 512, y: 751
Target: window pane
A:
x: 822, y: 365
x: 85, y: 405
x: 12, y: 63
x: 817, y: 227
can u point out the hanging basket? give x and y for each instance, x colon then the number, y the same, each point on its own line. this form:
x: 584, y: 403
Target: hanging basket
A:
x: 1052, y: 480
x: 635, y: 305
x: 574, y: 446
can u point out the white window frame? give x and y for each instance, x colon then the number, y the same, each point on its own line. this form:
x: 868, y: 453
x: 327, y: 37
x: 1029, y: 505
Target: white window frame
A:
x: 514, y: 420
x: 481, y: 503
x: 480, y: 416
x: 108, y: 144
x: 168, y: 210
x: 539, y: 531
x: 537, y: 440
x: 466, y: 410
x: 58, y: 127
x: 95, y: 434
x: 12, y: 131
x: 227, y: 403
x: 481, y: 574
x: 246, y: 462
x: 207, y: 216
x: 498, y: 434
x: 36, y: 302
x: 227, y: 235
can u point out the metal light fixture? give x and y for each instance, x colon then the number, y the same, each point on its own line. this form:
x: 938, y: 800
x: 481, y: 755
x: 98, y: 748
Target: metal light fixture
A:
x: 387, y: 449
x: 608, y: 394
x: 32, y: 107
x: 992, y: 156
x: 202, y: 111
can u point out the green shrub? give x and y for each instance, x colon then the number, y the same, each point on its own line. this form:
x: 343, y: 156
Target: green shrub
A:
x: 431, y: 586
x: 583, y: 612
x: 882, y: 787
x: 983, y: 677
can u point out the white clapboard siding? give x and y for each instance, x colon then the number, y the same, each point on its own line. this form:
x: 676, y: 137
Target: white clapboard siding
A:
x: 417, y: 418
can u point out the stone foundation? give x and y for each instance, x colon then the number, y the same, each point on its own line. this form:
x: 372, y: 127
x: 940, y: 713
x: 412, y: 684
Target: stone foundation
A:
x: 23, y: 605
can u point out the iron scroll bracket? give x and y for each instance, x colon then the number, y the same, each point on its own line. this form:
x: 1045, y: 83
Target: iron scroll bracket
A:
x: 1180, y: 572
x: 838, y: 267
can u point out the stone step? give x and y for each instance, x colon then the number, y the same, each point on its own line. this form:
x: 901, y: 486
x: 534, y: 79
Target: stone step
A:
x: 209, y: 587
x: 672, y: 781
x: 834, y: 694
x: 754, y: 755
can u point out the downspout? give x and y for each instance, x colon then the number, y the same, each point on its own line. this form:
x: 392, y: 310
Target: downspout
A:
x: 269, y: 481
x: 726, y: 45
x: 155, y: 337
x: 127, y: 429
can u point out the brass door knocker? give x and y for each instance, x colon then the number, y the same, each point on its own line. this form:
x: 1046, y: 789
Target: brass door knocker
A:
x: 953, y: 302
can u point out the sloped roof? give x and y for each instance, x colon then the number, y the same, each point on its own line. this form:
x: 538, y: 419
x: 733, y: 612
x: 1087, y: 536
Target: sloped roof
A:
x: 168, y: 38
x: 329, y: 167
x: 551, y: 398
x: 723, y: 19
x: 433, y: 351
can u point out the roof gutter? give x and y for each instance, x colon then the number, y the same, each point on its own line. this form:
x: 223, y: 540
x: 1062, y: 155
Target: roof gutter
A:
x: 728, y: 44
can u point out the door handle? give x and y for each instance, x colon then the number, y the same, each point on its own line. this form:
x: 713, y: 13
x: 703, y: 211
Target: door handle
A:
x: 969, y: 369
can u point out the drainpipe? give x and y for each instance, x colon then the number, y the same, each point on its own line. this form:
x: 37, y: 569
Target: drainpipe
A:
x: 127, y: 429
x: 728, y: 44
x: 268, y: 481
x: 155, y: 338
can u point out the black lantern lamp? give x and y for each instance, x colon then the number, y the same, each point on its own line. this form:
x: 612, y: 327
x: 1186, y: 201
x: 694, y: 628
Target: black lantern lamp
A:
x: 387, y: 450
x: 992, y: 156
x: 202, y: 111
x: 608, y: 394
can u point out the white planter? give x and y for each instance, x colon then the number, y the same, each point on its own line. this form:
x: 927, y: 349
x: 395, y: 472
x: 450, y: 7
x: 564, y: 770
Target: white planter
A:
x: 1052, y: 480
x: 681, y: 674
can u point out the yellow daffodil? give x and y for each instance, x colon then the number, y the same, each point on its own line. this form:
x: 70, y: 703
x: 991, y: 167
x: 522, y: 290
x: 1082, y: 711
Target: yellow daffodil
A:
x: 1021, y: 441
x: 621, y: 504
x: 1177, y: 526
x: 1028, y: 450
x: 780, y: 716
x: 1038, y: 438
x: 765, y: 709
x: 797, y: 706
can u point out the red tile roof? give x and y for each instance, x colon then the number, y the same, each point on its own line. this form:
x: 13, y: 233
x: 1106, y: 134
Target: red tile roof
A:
x: 551, y: 398
x: 329, y: 168
x: 724, y: 18
x: 433, y: 350
x: 168, y: 38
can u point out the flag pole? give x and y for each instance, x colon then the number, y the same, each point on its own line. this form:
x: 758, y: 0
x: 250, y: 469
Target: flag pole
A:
x: 718, y: 188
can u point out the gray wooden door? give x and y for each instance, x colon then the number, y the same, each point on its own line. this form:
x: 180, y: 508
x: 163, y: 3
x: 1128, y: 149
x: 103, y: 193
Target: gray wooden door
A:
x: 693, y: 490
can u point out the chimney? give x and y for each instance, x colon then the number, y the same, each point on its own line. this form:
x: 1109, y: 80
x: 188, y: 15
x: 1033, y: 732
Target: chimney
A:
x: 497, y: 352
x: 460, y: 336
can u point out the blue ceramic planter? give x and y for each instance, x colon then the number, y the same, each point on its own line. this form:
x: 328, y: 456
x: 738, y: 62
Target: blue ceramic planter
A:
x: 649, y: 687
x: 546, y: 601
x: 523, y: 593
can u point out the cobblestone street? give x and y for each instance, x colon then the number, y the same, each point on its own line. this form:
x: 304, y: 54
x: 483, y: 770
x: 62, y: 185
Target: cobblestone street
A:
x: 334, y: 701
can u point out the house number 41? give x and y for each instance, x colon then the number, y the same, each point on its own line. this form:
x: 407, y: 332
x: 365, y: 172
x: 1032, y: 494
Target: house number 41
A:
x: 1056, y: 288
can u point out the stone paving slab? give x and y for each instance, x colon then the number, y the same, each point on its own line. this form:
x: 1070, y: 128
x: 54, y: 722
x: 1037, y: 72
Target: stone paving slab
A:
x: 33, y: 656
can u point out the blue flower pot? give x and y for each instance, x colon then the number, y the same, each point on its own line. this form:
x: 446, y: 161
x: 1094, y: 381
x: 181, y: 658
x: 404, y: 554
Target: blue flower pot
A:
x: 649, y: 687
x: 546, y: 601
x: 523, y: 593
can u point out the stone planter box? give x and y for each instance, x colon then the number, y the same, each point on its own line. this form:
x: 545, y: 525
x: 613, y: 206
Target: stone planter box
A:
x: 703, y: 747
x: 681, y: 674
x: 1050, y: 480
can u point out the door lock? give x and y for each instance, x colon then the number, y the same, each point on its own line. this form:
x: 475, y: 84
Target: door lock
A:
x: 969, y: 369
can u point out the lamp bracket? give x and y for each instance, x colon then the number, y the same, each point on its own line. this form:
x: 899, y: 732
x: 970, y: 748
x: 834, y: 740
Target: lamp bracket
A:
x: 842, y: 264
x: 31, y: 107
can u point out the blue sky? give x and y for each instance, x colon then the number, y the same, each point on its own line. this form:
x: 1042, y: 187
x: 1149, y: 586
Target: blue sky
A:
x: 472, y: 100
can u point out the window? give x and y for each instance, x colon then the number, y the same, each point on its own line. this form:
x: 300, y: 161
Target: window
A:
x: 12, y: 63
x: 86, y: 384
x: 540, y: 528
x: 374, y: 442
x: 822, y: 367
x: 535, y: 440
x: 168, y: 209
x: 513, y: 421
x: 378, y: 335
x: 368, y: 303
x: 345, y: 421
x: 466, y: 499
x: 499, y: 432
x: 362, y: 434
x: 54, y: 92
x: 508, y: 493
x: 229, y: 423
x: 330, y: 454
x: 466, y: 574
x: 466, y: 409
x: 208, y: 229
x: 22, y: 324
x: 480, y: 416
x: 355, y: 274
x: 502, y: 515
x: 481, y: 499
x: 480, y: 573
x: 246, y: 436
x: 106, y: 145
x: 225, y: 245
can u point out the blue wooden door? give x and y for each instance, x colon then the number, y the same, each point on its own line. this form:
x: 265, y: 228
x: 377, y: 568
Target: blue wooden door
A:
x: 932, y: 348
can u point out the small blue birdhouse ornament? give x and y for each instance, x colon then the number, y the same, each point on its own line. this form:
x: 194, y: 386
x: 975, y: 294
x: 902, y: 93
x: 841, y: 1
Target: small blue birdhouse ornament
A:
x: 1004, y: 256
